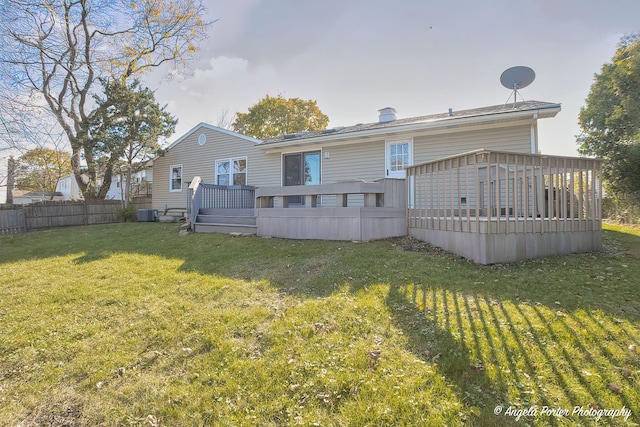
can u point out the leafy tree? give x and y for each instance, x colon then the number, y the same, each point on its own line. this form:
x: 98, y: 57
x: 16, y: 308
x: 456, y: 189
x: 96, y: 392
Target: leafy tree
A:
x: 40, y: 169
x: 127, y: 127
x: 610, y: 121
x: 271, y: 117
x: 55, y: 52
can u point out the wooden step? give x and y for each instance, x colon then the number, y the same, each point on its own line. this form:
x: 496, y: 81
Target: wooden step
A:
x: 225, y: 228
x: 227, y: 212
x: 219, y: 219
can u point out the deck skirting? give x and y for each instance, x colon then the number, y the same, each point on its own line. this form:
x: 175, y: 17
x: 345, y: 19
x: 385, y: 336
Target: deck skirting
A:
x: 497, y: 248
x: 342, y: 223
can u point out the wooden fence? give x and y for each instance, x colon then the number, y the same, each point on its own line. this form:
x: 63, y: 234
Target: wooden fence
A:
x: 46, y: 215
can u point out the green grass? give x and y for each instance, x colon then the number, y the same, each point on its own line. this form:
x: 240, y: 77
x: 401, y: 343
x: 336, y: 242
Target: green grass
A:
x: 132, y: 324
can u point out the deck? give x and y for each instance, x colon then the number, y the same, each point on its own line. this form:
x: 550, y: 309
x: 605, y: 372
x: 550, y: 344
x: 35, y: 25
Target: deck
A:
x: 488, y: 206
x: 354, y: 210
x: 492, y: 206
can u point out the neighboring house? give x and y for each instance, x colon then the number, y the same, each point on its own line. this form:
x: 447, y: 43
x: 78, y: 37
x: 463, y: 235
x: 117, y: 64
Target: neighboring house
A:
x: 21, y: 197
x: 142, y: 182
x: 362, y: 152
x: 69, y: 188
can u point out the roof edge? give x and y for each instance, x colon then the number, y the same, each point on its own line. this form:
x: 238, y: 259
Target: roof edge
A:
x: 214, y: 128
x: 434, y: 124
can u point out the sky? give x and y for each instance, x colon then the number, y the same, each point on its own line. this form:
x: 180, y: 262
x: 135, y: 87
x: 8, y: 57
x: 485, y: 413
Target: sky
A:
x: 419, y: 56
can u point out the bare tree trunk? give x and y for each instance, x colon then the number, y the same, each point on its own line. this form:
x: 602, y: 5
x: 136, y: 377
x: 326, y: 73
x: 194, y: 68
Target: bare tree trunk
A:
x: 129, y: 188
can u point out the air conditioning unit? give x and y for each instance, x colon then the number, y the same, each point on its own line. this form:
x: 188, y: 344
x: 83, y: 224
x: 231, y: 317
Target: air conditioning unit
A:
x: 147, y: 215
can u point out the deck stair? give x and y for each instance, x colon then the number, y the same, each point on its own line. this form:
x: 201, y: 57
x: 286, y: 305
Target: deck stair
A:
x: 212, y: 220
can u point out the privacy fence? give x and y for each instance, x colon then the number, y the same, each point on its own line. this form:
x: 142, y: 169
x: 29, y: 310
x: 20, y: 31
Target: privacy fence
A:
x: 47, y: 215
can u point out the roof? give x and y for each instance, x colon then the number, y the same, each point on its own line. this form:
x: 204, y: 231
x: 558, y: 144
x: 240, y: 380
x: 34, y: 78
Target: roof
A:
x: 433, y: 120
x: 23, y: 193
x: 210, y: 127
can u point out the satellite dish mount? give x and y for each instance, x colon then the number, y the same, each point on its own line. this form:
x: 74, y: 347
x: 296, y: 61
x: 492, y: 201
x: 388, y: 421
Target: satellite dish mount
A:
x: 515, y: 78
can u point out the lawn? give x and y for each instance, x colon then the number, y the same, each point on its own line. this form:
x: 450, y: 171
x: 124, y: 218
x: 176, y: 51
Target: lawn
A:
x: 132, y: 324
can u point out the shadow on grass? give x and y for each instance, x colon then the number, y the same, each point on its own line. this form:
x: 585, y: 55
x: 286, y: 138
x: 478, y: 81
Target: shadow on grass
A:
x: 484, y: 326
x: 441, y: 342
x: 606, y: 281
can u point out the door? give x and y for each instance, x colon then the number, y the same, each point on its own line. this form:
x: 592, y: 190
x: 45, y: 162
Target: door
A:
x: 398, y: 155
x: 301, y: 169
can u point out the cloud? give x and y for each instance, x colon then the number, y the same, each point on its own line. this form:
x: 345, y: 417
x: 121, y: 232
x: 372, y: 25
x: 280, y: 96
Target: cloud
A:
x: 222, y: 66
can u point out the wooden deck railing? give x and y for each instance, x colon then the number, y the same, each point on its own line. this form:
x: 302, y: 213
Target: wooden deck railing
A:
x: 201, y: 196
x: 488, y: 191
x: 353, y: 210
x: 372, y: 194
x: 228, y: 197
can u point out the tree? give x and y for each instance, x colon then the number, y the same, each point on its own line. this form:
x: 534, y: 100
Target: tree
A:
x: 54, y: 53
x: 277, y: 116
x: 127, y: 126
x: 225, y: 119
x: 610, y: 121
x: 40, y: 169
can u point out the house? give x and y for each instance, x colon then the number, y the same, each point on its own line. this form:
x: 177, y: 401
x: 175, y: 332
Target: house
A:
x: 142, y: 184
x: 362, y: 152
x: 356, y: 174
x: 21, y: 197
x: 69, y: 188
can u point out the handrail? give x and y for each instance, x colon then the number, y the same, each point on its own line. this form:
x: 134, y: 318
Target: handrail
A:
x: 490, y: 191
x: 194, y: 202
x: 382, y: 193
x: 227, y: 197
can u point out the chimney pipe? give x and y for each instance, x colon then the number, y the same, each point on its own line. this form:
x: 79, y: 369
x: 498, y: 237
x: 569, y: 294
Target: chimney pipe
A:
x: 387, y: 114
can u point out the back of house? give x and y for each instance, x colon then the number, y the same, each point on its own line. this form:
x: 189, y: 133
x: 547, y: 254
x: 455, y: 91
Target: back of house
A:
x: 367, y: 152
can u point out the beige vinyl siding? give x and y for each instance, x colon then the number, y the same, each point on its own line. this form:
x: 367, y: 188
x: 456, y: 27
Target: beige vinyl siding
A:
x: 363, y: 161
x: 354, y: 161
x: 366, y: 159
x: 199, y: 160
x: 433, y: 147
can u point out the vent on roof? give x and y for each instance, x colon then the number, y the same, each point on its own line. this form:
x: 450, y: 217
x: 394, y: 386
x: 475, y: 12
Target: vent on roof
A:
x: 332, y: 130
x: 387, y: 114
x: 295, y: 135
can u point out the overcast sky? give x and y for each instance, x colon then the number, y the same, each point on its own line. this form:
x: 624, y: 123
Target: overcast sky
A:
x: 421, y: 57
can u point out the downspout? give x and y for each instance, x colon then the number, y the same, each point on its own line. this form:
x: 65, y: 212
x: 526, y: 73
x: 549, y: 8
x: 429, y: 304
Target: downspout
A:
x: 534, y: 134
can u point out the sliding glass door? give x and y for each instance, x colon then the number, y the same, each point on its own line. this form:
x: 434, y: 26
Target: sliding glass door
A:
x: 301, y: 169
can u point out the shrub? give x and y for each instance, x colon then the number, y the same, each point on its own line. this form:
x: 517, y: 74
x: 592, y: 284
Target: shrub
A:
x: 126, y: 214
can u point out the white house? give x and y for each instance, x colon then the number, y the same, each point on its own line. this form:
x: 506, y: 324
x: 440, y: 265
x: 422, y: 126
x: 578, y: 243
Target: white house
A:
x: 142, y: 184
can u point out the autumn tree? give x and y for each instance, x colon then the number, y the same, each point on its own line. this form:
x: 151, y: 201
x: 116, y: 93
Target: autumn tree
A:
x: 54, y: 53
x: 40, y: 169
x: 610, y: 121
x: 275, y: 116
x: 127, y: 127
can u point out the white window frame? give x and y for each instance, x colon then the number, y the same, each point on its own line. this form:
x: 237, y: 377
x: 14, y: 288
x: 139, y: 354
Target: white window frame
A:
x: 399, y: 174
x: 231, y: 160
x: 171, y: 169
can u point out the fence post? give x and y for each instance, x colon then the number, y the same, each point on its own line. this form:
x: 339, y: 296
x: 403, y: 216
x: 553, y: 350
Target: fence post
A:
x: 23, y: 217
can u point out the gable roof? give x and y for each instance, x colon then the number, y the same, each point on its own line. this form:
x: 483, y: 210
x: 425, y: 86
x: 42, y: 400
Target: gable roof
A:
x: 537, y: 109
x: 214, y: 128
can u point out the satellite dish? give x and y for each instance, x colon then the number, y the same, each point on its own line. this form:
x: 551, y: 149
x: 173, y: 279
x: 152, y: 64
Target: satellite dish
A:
x: 515, y: 78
